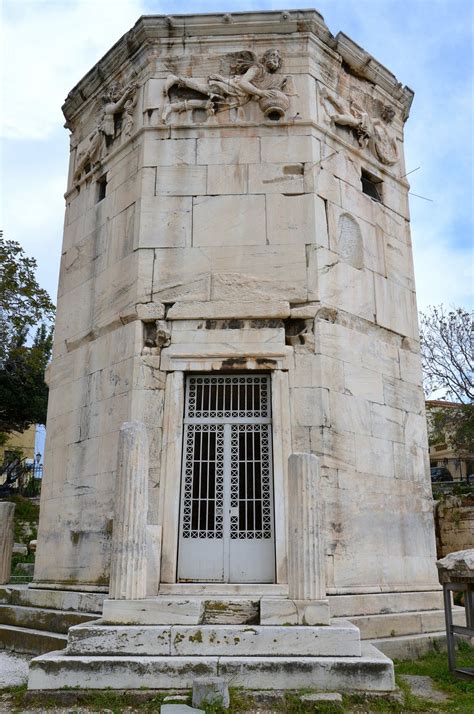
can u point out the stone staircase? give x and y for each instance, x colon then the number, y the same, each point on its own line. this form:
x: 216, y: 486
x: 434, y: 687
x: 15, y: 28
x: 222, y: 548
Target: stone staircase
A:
x: 401, y: 625
x: 37, y: 621
x: 175, y: 639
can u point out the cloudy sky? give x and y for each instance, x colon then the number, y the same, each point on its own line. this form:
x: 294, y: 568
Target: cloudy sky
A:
x: 48, y: 45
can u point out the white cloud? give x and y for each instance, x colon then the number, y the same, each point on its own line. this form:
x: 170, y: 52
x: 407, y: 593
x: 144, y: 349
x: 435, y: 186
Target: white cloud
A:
x: 443, y: 275
x: 48, y: 46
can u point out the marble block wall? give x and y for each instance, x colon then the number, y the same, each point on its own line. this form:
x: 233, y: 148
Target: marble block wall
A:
x: 208, y: 234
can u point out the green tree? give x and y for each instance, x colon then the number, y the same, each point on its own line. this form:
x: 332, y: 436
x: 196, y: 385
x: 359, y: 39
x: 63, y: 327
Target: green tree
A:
x: 23, y: 304
x: 447, y: 354
x: 453, y: 425
x: 24, y: 307
x: 448, y: 368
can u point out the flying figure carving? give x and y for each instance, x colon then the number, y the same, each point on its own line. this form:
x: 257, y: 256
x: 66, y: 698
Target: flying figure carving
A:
x: 249, y: 79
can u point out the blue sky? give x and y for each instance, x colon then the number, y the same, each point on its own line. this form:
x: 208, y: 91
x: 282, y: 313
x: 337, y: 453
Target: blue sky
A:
x: 48, y: 45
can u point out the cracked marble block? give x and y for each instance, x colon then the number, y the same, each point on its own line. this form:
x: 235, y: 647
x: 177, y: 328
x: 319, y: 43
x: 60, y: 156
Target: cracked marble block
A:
x: 236, y: 275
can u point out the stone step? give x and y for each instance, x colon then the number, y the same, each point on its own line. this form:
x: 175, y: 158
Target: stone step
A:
x: 372, y: 671
x: 51, y: 599
x: 404, y: 623
x: 29, y: 641
x: 411, y: 646
x: 383, y: 603
x: 37, y: 618
x: 178, y: 610
x: 232, y: 590
x: 341, y: 639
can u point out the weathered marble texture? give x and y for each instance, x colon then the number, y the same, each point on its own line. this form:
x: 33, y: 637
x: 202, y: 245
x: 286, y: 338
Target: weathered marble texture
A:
x: 203, y: 219
x: 128, y: 564
x: 306, y: 547
x: 7, y: 511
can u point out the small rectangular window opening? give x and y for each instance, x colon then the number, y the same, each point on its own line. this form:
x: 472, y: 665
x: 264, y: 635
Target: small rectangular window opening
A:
x: 101, y: 188
x: 371, y: 186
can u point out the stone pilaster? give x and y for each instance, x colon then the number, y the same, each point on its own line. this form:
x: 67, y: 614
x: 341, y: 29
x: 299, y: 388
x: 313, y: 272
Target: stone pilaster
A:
x: 6, y: 540
x: 306, y: 563
x: 128, y: 572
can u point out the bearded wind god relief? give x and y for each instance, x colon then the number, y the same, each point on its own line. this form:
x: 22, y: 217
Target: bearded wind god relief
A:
x: 244, y: 78
x: 371, y: 131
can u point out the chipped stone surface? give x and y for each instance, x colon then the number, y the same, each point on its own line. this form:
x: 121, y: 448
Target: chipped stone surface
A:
x: 7, y: 511
x: 372, y: 671
x: 211, y: 690
x: 457, y: 566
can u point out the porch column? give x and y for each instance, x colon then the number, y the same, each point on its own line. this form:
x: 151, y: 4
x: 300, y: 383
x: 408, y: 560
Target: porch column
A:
x: 6, y: 540
x: 128, y: 571
x: 306, y: 558
x: 171, y: 473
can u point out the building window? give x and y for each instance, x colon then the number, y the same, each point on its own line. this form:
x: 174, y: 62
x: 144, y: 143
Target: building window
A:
x: 101, y: 188
x: 371, y: 186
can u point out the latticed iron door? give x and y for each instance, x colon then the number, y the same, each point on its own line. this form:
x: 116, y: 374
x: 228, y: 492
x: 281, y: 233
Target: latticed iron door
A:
x: 226, y: 524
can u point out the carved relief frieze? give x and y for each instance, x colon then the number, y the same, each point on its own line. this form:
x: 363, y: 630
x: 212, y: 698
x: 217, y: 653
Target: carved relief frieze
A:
x: 243, y: 78
x: 115, y: 116
x: 370, y: 130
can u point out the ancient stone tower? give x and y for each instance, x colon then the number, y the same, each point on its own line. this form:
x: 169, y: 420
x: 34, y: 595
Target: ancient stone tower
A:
x: 237, y: 275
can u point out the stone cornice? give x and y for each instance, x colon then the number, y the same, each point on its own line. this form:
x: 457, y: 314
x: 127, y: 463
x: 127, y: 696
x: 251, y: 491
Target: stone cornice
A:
x: 150, y: 30
x: 364, y: 65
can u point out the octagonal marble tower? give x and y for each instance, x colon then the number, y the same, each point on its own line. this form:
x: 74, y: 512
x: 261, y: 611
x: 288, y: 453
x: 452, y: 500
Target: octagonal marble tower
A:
x: 237, y: 275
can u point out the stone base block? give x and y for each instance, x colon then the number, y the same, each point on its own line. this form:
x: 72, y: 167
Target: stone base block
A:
x: 30, y: 641
x: 51, y: 599
x: 342, y: 639
x: 211, y: 690
x: 153, y: 611
x: 42, y: 618
x: 279, y: 611
x: 373, y: 671
x: 384, y: 603
x: 411, y: 646
x: 405, y: 623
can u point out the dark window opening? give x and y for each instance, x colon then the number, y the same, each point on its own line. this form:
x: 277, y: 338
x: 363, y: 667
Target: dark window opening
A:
x: 371, y: 186
x: 101, y: 188
x: 118, y: 118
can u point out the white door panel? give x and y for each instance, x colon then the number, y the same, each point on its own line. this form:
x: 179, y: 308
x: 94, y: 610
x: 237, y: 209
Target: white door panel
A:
x: 226, y: 527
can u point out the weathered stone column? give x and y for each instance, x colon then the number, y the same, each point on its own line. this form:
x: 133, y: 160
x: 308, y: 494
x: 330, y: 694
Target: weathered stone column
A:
x: 6, y: 540
x: 306, y: 561
x: 128, y: 568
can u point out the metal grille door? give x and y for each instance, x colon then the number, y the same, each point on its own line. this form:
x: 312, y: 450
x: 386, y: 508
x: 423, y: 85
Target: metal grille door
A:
x: 226, y: 525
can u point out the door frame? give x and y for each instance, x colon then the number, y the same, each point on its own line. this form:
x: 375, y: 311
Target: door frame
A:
x: 171, y: 455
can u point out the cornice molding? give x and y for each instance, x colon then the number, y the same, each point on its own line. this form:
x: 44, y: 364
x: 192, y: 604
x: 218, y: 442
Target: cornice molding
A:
x: 151, y: 30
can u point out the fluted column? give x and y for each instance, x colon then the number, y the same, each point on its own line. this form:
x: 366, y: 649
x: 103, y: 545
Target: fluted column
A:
x: 128, y: 571
x: 306, y: 560
x: 6, y: 540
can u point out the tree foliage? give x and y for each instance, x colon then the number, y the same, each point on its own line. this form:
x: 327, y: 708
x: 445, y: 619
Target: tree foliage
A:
x: 452, y: 425
x: 446, y: 353
x: 24, y: 307
x: 448, y: 368
x: 23, y: 304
